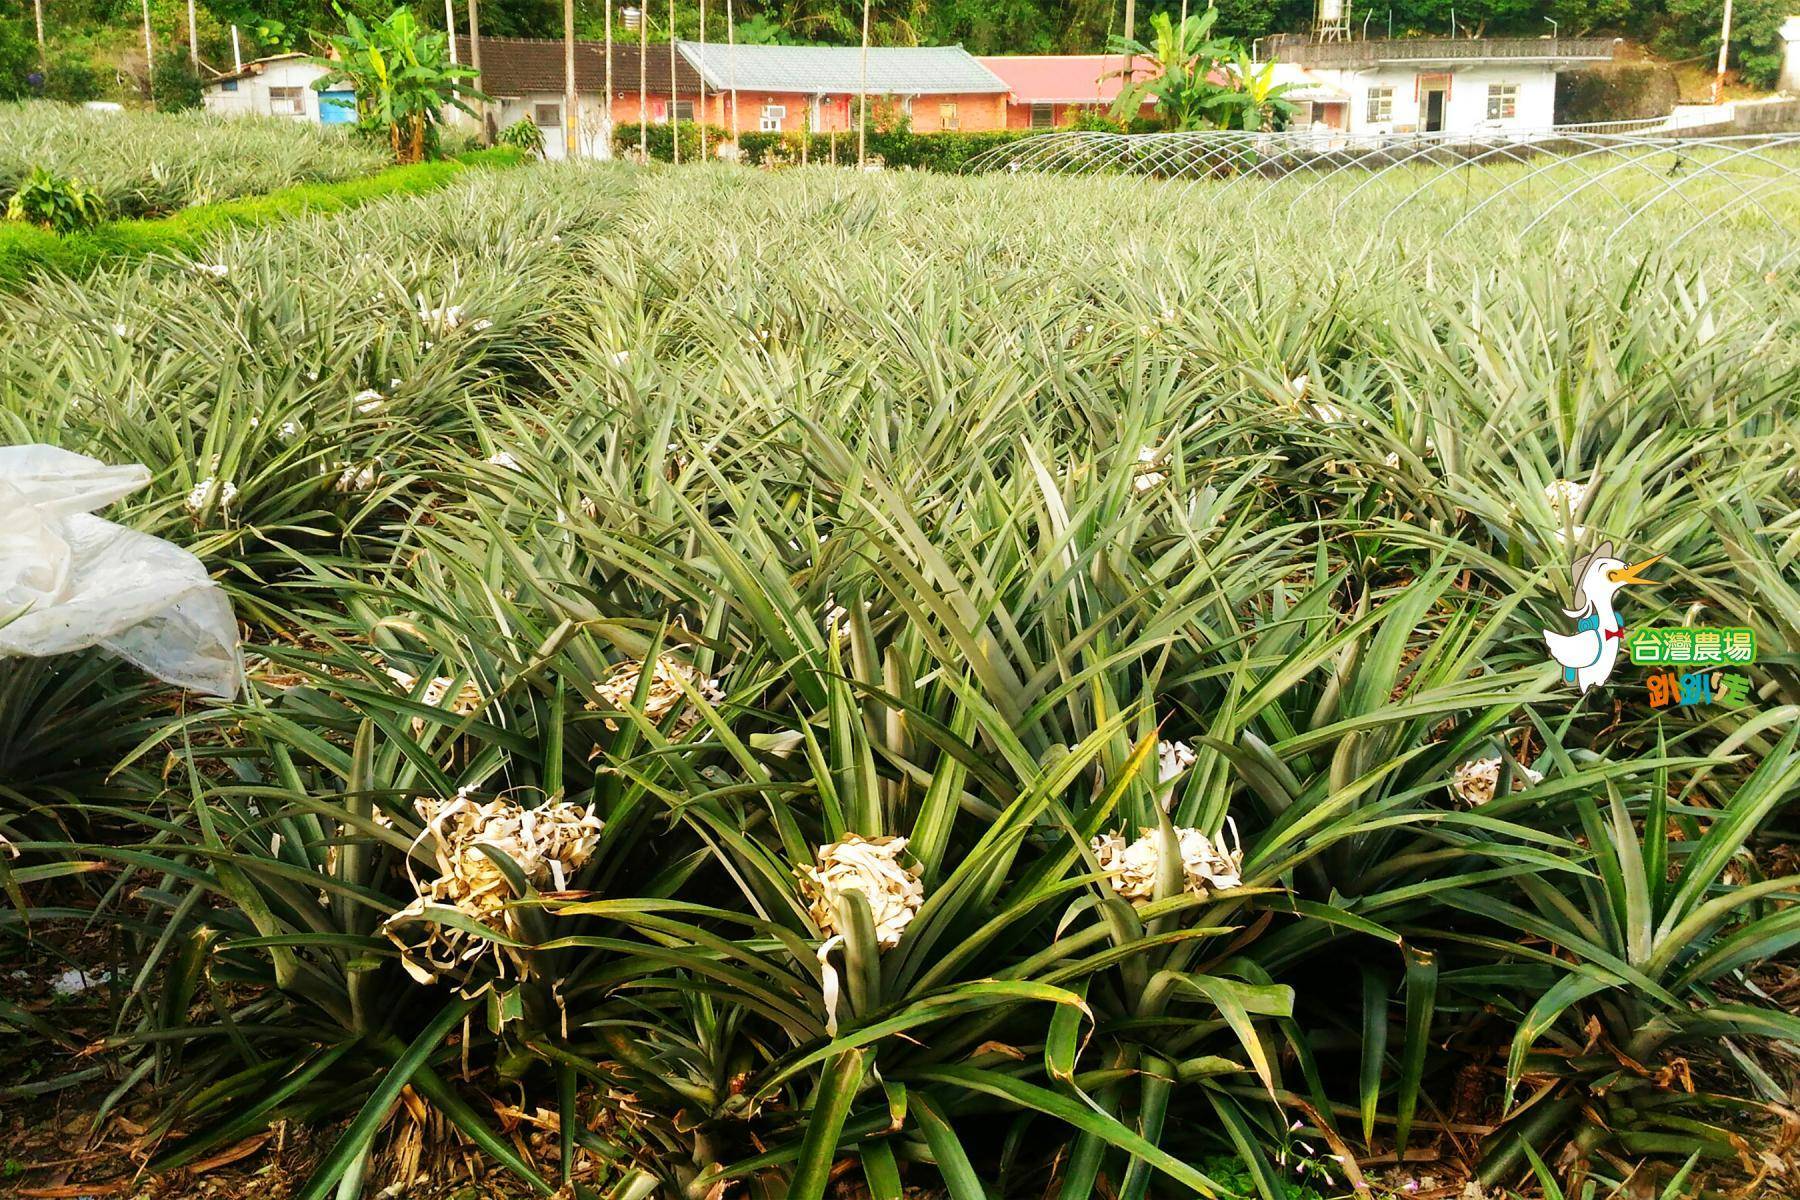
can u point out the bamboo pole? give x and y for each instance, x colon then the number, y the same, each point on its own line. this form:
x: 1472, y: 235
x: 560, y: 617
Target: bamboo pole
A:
x: 862, y: 94
x: 37, y: 10
x: 149, y: 54
x: 643, y: 84
x: 449, y: 32
x: 606, y: 108
x: 674, y: 95
x: 193, y: 39
x: 700, y: 109
x: 731, y: 67
x: 237, y: 52
x: 1718, y: 87
x: 475, y: 64
x: 571, y: 101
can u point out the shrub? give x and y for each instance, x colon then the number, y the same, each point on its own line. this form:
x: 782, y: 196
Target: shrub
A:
x: 74, y: 79
x: 18, y: 59
x: 948, y: 152
x: 1615, y: 92
x: 173, y: 83
x: 523, y: 134
x: 659, y: 141
x: 56, y: 202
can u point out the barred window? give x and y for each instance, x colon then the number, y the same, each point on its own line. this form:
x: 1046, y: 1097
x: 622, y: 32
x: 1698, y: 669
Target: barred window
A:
x: 1380, y: 108
x: 1043, y: 116
x: 1503, y: 101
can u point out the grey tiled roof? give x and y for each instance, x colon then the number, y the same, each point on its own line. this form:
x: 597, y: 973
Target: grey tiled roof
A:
x: 893, y: 70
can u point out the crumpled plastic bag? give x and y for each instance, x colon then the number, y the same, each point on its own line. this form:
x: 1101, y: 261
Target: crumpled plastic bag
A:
x: 70, y: 580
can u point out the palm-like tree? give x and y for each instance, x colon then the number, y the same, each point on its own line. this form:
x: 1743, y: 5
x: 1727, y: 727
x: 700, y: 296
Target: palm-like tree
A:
x: 1186, y: 57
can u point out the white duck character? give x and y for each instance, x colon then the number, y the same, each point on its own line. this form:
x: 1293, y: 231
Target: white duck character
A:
x: 1588, y: 654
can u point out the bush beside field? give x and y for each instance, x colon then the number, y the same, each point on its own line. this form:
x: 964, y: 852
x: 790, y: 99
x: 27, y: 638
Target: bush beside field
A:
x: 150, y: 164
x: 27, y: 251
x: 1001, y: 514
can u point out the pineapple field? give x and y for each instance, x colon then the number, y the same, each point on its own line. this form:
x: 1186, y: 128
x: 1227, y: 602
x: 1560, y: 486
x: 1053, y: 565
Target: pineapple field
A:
x: 813, y: 683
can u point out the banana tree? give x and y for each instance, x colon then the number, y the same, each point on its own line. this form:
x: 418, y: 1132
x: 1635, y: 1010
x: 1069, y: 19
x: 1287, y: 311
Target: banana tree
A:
x: 403, y: 77
x: 1185, y: 81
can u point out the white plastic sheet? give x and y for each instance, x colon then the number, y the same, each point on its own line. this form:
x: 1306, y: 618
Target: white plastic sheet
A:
x: 70, y: 580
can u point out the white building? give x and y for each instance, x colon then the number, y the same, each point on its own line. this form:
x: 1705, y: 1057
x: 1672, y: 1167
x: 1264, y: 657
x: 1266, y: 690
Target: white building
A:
x: 1427, y: 85
x: 280, y: 86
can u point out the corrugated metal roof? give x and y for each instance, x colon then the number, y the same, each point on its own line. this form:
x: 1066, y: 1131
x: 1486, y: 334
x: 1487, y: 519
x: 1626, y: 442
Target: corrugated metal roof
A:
x: 813, y: 70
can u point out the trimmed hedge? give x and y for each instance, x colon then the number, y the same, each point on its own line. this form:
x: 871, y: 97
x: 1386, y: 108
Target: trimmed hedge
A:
x: 27, y: 250
x: 1622, y: 92
x: 947, y: 152
x: 659, y: 139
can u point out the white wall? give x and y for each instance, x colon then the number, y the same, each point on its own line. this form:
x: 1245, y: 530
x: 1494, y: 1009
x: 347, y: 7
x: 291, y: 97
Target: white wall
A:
x: 251, y: 99
x: 1466, y: 105
x: 1790, y: 63
x: 594, y: 143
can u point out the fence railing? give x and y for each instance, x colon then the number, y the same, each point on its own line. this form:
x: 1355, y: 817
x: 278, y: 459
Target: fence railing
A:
x: 1302, y: 50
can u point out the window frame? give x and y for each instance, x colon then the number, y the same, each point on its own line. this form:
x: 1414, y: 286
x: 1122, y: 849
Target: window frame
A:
x: 949, y: 119
x: 681, y: 110
x: 287, y: 101
x: 539, y: 107
x: 1502, y: 101
x: 770, y: 119
x: 1378, y: 105
x: 1047, y: 113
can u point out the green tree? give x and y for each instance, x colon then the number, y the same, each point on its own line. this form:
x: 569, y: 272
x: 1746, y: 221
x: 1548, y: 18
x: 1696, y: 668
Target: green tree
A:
x: 174, y: 83
x: 403, y: 79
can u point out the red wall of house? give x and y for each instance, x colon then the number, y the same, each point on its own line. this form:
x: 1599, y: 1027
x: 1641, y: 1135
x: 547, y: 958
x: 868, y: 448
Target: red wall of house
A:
x: 837, y: 113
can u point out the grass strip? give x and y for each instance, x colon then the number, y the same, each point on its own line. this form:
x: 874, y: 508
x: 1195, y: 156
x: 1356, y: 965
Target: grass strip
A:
x: 29, y: 250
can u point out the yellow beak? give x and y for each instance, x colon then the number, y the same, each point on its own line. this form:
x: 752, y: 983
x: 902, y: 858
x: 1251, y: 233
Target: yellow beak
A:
x: 1635, y: 572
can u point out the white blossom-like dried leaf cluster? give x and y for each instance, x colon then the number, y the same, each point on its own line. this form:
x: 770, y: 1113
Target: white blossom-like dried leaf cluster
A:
x: 549, y: 844
x: 619, y: 692
x: 1207, y: 866
x: 871, y: 866
x: 463, y: 702
x: 1475, y: 781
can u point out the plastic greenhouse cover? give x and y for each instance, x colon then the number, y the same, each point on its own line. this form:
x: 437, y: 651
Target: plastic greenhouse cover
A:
x: 70, y: 580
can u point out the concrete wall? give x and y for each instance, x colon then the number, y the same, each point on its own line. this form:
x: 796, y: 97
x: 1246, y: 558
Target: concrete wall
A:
x: 1466, y: 101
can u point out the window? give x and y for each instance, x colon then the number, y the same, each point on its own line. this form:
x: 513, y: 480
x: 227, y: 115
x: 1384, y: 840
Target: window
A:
x: 772, y: 116
x: 287, y: 101
x: 684, y: 110
x: 230, y: 85
x: 1503, y: 101
x: 947, y: 116
x: 549, y: 116
x: 1380, y: 109
x: 1043, y: 116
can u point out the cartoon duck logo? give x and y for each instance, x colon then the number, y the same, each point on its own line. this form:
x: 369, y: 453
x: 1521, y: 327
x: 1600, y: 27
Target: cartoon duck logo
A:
x: 1588, y: 655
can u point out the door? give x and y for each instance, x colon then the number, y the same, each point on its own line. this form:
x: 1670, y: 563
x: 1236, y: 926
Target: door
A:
x: 1431, y: 110
x: 337, y: 107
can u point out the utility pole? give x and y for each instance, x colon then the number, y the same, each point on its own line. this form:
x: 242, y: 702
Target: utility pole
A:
x: 449, y: 32
x: 475, y: 64
x: 571, y: 102
x: 193, y: 40
x: 674, y: 95
x: 1718, y: 87
x: 862, y: 95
